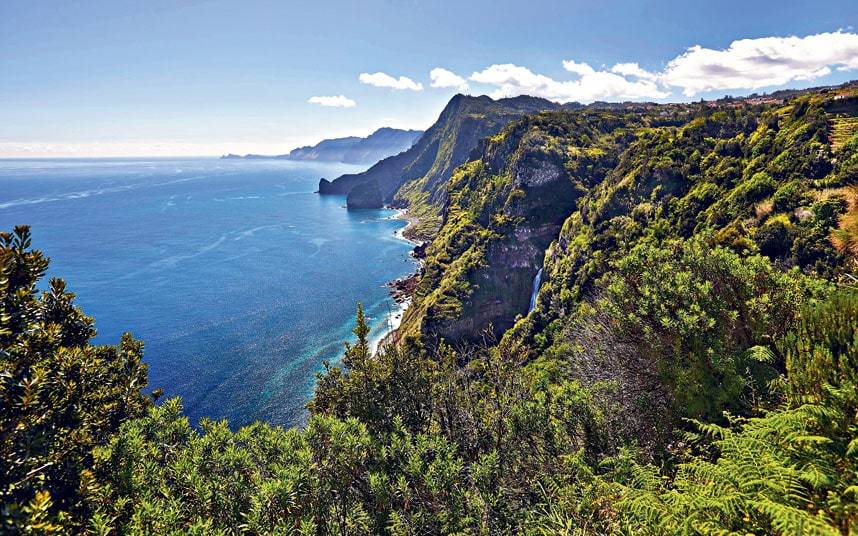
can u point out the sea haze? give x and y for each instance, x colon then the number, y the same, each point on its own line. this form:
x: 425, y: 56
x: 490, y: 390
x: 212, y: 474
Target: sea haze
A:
x: 237, y: 277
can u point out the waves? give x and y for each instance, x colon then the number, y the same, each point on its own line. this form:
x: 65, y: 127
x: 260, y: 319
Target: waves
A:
x: 82, y: 194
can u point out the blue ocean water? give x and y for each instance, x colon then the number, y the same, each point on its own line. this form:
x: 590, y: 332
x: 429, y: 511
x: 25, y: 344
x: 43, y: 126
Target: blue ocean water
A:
x: 237, y: 277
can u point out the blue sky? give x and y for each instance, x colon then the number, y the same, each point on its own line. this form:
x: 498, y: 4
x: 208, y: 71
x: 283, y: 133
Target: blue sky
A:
x: 207, y: 77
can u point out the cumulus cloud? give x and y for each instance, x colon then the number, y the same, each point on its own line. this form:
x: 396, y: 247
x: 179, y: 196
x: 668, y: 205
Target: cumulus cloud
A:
x: 746, y: 64
x: 336, y: 101
x: 582, y: 69
x: 633, y: 69
x: 380, y: 79
x: 512, y: 80
x: 441, y: 77
x: 762, y: 62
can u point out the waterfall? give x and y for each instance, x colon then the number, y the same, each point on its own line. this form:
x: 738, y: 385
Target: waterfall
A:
x: 536, y: 281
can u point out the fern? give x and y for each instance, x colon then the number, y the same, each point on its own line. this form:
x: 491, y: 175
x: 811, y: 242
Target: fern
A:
x: 793, y: 471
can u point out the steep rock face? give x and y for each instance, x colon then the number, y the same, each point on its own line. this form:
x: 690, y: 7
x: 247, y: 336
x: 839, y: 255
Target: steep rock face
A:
x: 505, y: 207
x: 365, y: 195
x: 501, y: 286
x: 419, y: 175
x: 326, y: 187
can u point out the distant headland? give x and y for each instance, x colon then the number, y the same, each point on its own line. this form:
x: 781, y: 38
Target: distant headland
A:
x: 380, y: 144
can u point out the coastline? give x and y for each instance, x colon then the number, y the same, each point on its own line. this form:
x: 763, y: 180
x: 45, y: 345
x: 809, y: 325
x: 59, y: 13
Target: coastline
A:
x: 401, y: 289
x: 411, y: 221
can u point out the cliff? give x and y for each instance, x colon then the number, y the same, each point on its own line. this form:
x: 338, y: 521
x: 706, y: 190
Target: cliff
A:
x: 418, y: 175
x: 576, y: 190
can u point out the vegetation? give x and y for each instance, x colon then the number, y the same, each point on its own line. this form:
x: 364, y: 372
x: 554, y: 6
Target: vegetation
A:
x: 418, y: 176
x: 691, y: 366
x: 60, y: 396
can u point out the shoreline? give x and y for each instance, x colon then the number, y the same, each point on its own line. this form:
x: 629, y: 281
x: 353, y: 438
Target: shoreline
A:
x: 394, y: 320
x: 411, y: 221
x: 401, y: 290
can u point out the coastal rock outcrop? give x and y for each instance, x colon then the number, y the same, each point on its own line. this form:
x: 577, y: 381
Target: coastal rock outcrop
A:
x: 417, y: 178
x: 365, y: 195
x: 326, y: 187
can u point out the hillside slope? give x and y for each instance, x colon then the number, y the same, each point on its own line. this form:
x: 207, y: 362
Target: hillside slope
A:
x: 581, y: 188
x: 690, y: 366
x: 427, y: 165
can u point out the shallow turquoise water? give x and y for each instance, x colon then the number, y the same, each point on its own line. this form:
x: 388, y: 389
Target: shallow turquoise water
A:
x: 238, y: 278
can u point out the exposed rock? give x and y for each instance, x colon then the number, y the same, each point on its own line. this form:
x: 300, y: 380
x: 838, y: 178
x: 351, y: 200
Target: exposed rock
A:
x: 538, y: 173
x: 502, y: 286
x: 419, y: 251
x: 403, y: 288
x: 325, y: 186
x: 447, y: 144
x: 366, y: 195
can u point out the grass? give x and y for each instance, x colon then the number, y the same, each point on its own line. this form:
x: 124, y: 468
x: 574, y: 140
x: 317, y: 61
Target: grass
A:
x: 763, y: 209
x: 841, y: 131
x: 845, y: 237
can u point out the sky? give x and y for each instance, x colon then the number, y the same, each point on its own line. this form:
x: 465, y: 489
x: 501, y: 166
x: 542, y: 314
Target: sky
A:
x: 193, y: 77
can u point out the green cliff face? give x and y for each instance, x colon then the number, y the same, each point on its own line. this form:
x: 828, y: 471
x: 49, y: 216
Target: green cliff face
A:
x: 418, y: 176
x: 505, y: 207
x: 577, y: 190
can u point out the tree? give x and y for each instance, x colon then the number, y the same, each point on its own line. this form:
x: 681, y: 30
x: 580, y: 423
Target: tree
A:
x: 60, y: 395
x: 793, y: 471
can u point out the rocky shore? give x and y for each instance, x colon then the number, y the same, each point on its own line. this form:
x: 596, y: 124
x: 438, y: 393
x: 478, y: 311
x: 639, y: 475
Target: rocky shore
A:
x: 419, y: 250
x: 402, y: 289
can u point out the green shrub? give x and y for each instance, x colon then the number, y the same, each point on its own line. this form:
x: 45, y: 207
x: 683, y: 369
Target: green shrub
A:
x: 60, y: 395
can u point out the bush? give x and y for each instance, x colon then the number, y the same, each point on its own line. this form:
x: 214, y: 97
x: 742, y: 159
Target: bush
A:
x: 793, y: 471
x: 774, y: 238
x: 60, y: 396
x: 788, y: 197
x: 684, y: 314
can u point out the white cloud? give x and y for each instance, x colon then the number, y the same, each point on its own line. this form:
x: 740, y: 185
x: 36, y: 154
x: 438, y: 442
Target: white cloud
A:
x: 582, y: 69
x: 633, y: 69
x: 380, y: 79
x: 336, y: 101
x: 746, y: 64
x: 762, y: 62
x: 441, y: 77
x: 512, y: 80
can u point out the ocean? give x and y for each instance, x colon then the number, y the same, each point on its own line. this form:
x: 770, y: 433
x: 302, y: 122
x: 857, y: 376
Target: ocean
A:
x: 237, y: 277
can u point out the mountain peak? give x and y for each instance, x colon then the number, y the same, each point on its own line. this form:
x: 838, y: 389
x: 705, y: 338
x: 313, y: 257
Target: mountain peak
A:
x: 444, y: 146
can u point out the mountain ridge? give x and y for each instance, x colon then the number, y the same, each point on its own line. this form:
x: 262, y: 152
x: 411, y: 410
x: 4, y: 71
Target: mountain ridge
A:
x: 688, y: 365
x: 382, y: 143
x: 429, y: 163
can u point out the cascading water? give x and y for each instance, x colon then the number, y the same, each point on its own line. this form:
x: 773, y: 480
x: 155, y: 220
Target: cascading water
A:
x: 533, y: 293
